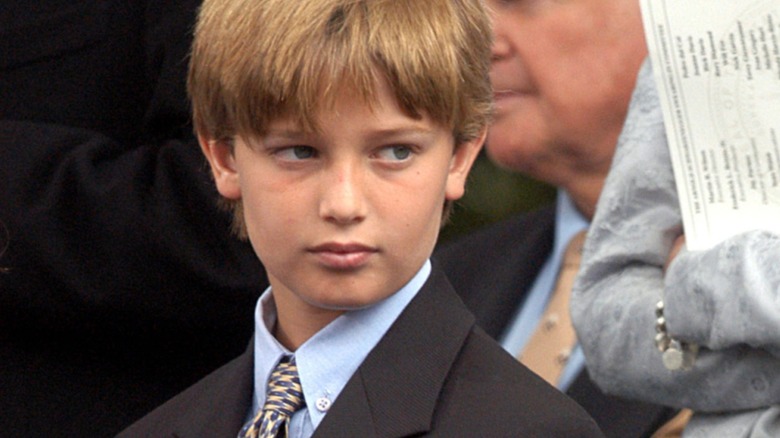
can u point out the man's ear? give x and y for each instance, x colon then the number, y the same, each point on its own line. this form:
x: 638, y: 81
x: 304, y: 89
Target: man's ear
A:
x: 460, y: 165
x: 222, y: 161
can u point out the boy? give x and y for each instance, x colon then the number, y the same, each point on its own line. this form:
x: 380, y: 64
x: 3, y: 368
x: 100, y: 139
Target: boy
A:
x: 337, y: 130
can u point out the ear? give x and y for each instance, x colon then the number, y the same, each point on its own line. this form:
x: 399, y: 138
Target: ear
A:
x: 221, y: 158
x: 460, y: 165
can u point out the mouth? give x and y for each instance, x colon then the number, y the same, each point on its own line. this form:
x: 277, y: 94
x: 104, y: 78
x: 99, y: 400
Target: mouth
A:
x: 506, y: 94
x: 505, y: 100
x: 342, y: 256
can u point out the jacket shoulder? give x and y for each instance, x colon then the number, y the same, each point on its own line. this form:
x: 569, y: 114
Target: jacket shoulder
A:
x: 494, y: 267
x: 489, y: 393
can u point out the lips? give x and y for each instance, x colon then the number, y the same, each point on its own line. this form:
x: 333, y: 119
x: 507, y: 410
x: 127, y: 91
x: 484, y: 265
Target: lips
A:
x: 508, y: 100
x: 342, y: 255
x: 499, y: 94
x: 502, y: 93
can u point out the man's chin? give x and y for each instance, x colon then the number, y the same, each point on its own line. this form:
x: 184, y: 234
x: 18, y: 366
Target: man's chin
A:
x: 513, y: 153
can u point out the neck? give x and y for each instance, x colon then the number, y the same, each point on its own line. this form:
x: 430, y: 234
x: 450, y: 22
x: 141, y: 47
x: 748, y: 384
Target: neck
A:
x: 294, y: 328
x: 585, y: 194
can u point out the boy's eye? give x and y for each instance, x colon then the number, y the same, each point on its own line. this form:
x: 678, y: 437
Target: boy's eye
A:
x: 293, y: 153
x: 395, y: 153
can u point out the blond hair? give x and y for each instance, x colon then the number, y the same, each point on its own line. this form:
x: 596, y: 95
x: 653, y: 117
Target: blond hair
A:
x: 254, y: 61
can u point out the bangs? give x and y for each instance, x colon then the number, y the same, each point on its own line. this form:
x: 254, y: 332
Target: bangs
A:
x: 294, y: 59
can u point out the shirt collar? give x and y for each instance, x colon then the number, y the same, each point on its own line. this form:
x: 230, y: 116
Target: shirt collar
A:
x: 329, y: 358
x: 569, y: 221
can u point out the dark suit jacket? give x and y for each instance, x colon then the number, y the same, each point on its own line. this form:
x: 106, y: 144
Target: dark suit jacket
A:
x: 433, y: 373
x: 119, y: 266
x: 493, y: 269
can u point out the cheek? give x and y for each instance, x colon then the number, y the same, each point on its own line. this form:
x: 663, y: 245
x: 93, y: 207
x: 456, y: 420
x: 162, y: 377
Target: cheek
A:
x: 276, y: 239
x: 419, y: 209
x: 414, y: 235
x: 513, y: 140
x: 271, y: 216
x: 565, y: 51
x: 257, y: 222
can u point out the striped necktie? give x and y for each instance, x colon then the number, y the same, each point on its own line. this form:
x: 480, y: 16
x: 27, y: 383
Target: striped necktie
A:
x: 284, y: 396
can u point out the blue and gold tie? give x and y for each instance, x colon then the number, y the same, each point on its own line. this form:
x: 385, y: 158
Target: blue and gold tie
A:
x: 284, y: 397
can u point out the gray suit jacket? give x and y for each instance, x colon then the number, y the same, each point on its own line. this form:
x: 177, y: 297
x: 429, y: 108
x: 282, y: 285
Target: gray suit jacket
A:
x: 723, y: 298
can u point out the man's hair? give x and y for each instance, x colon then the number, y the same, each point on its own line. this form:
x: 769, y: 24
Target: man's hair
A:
x: 254, y: 61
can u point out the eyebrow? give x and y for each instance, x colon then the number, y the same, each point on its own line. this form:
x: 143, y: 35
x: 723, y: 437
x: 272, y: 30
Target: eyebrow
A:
x: 296, y: 134
x: 400, y: 132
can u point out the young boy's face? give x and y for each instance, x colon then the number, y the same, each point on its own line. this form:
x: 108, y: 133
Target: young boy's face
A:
x: 343, y: 218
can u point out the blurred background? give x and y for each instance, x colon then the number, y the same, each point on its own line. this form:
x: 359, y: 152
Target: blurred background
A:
x: 492, y: 194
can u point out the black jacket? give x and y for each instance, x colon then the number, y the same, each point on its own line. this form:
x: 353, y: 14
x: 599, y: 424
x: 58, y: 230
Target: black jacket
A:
x: 122, y: 285
x: 434, y: 373
x: 494, y: 268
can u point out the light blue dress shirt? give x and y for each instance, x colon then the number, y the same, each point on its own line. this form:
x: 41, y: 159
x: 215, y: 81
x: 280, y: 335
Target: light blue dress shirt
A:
x: 329, y: 358
x: 569, y: 221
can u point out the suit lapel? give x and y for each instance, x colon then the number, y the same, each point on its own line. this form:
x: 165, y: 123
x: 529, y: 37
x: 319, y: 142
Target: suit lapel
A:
x: 395, y: 390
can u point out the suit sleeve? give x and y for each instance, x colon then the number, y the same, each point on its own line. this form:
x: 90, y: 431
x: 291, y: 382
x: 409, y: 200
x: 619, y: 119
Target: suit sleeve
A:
x: 120, y: 283
x: 726, y: 297
x: 107, y: 213
x: 102, y: 236
x: 622, y: 278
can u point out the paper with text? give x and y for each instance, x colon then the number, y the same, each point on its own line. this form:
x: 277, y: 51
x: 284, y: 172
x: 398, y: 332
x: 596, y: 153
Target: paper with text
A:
x: 717, y: 67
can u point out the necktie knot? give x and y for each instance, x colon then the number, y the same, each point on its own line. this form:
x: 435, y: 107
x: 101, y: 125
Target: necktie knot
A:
x: 284, y: 396
x: 573, y: 254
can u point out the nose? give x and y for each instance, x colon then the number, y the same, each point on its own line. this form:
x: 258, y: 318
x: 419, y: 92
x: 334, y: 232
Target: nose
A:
x: 343, y: 195
x: 501, y: 47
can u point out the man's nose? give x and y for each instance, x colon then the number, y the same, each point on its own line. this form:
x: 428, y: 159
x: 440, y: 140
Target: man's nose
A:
x: 500, y: 48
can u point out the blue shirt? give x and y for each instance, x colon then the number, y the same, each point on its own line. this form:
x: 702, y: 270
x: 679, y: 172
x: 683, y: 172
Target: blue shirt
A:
x: 329, y: 358
x: 568, y: 222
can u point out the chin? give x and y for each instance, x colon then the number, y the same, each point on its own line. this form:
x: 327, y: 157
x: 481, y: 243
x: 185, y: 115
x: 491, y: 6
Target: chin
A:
x: 507, y: 157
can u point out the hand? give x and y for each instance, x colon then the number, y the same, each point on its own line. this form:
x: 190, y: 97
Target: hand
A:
x: 676, y: 247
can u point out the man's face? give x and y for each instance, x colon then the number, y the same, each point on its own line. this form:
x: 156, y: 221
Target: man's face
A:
x: 345, y: 217
x: 563, y: 72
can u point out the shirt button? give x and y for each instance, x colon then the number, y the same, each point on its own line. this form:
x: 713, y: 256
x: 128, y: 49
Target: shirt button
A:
x: 551, y: 322
x: 323, y: 404
x: 563, y: 356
